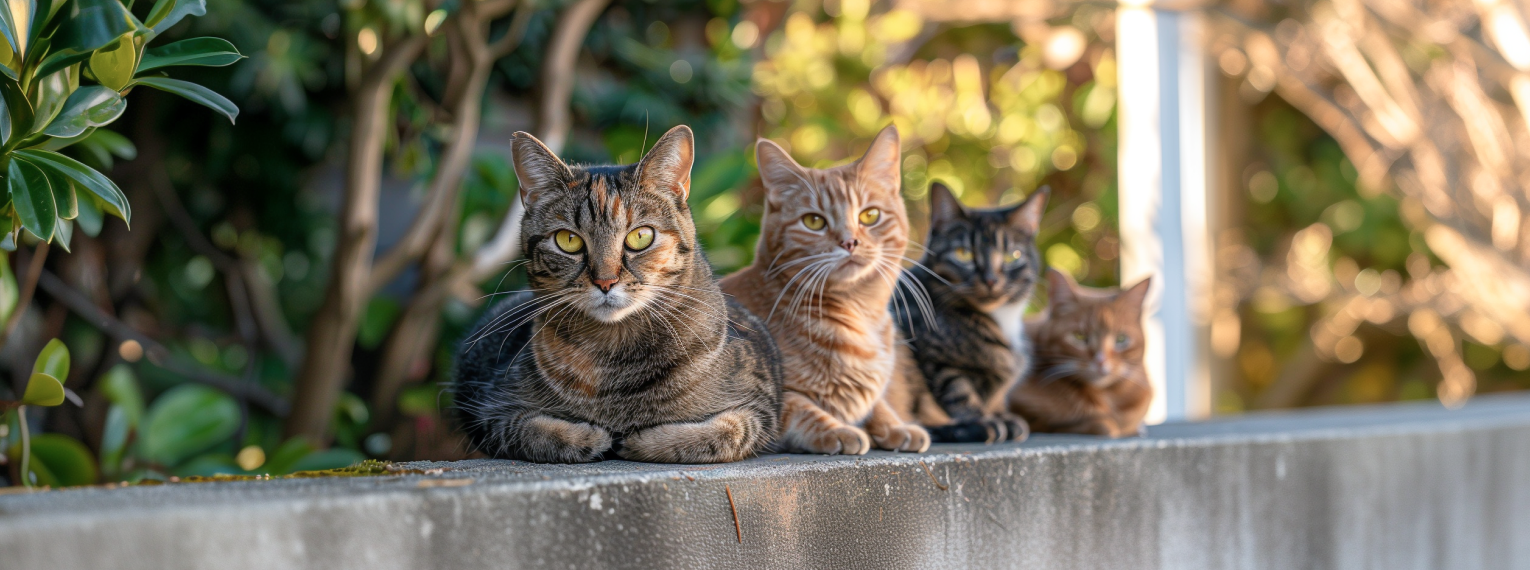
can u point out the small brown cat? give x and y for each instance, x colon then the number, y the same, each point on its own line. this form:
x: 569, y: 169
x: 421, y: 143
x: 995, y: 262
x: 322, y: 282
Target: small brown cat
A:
x: 825, y: 267
x: 1088, y: 376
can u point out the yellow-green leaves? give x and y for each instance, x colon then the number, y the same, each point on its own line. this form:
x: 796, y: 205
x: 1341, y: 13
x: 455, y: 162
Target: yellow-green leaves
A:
x: 206, y: 52
x: 43, y: 390
x: 114, y: 64
x: 90, y: 106
x: 53, y: 360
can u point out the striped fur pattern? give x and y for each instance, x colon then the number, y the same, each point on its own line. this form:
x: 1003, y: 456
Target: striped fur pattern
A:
x: 1089, y: 376
x: 980, y: 267
x: 830, y: 247
x: 615, y: 350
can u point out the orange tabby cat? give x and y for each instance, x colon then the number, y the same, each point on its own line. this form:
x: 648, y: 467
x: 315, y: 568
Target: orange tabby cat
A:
x: 829, y: 253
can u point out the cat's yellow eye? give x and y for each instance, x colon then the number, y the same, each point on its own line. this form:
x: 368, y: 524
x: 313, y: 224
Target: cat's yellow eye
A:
x: 962, y: 254
x: 1081, y: 338
x: 1012, y: 256
x: 639, y: 239
x: 814, y: 222
x: 870, y: 216
x: 568, y: 241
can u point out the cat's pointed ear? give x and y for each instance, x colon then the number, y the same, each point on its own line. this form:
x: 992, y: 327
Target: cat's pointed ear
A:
x: 1132, y: 298
x: 944, y: 207
x: 1061, y: 289
x: 879, y: 168
x: 778, y: 171
x: 1026, y: 217
x: 666, y: 169
x: 537, y: 168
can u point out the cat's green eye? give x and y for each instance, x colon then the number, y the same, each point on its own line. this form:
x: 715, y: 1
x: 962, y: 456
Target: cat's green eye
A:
x: 639, y: 239
x: 962, y: 254
x: 870, y: 216
x: 814, y: 222
x: 1012, y: 256
x: 568, y: 241
x: 1123, y: 341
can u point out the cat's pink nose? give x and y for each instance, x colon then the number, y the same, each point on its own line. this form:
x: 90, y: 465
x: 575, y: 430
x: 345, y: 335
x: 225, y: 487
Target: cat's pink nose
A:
x: 605, y: 285
x: 850, y: 244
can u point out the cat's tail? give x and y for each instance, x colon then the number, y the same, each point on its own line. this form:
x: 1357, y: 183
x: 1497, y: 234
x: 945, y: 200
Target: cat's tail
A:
x: 482, y: 361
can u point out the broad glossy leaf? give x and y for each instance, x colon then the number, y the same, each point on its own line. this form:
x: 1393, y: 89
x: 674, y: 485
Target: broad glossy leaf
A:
x: 114, y: 438
x: 10, y: 294
x: 41, y: 475
x: 8, y: 29
x: 90, y: 106
x: 186, y: 421
x: 112, y: 200
x: 43, y: 390
x: 208, y: 52
x: 63, y: 196
x: 90, y: 218
x: 114, y: 143
x: 121, y: 387
x: 208, y: 465
x: 91, y: 24
x: 5, y: 122
x: 168, y: 13
x: 113, y: 65
x: 61, y: 60
x: 53, y: 360
x: 18, y: 107
x: 33, y: 198
x: 48, y: 97
x: 67, y: 461
x: 193, y: 92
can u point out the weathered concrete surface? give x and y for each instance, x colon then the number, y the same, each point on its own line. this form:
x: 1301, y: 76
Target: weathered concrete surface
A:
x: 1403, y: 487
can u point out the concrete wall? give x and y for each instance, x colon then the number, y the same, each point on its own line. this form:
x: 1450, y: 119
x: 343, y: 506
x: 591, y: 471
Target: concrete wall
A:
x: 1395, y: 488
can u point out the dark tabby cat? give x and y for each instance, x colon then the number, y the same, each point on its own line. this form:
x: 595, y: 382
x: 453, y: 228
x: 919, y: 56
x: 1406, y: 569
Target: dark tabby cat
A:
x: 1088, y: 377
x: 624, y: 345
x: 968, y: 348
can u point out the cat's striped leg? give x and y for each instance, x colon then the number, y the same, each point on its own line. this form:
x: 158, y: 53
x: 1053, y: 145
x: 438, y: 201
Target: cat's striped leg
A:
x: 729, y: 436
x: 890, y: 432
x: 807, y: 428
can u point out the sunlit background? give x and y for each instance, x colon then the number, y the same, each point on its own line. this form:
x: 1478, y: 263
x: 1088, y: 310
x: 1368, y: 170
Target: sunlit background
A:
x: 1333, y: 189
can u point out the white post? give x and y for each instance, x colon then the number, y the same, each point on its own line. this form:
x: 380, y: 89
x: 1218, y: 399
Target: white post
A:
x: 1163, y: 213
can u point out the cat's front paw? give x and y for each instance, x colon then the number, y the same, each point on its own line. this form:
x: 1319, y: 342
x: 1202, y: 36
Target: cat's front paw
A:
x: 567, y: 442
x: 1015, y: 427
x: 904, y: 437
x: 846, y: 440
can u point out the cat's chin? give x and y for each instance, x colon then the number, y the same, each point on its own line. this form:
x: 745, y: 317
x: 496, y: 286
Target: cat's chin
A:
x: 611, y: 309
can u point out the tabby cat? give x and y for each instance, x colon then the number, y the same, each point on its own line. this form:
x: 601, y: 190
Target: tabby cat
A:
x: 1088, y: 377
x: 633, y: 350
x: 824, y: 270
x: 968, y: 346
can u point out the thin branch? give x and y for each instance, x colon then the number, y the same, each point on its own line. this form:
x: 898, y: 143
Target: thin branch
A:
x: 157, y: 353
x: 28, y: 288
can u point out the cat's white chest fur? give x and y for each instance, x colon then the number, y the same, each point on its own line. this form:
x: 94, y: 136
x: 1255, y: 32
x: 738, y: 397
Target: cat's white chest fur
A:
x: 1011, y: 319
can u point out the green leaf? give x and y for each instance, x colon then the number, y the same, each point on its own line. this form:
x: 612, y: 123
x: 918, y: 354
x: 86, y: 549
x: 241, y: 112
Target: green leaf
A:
x: 209, y: 464
x: 91, y: 24
x: 114, y: 438
x: 281, y: 461
x: 63, y: 196
x: 194, y: 93
x: 49, y: 95
x: 90, y: 218
x: 59, y: 460
x: 114, y: 143
x: 168, y: 13
x: 112, y: 200
x: 64, y: 233
x: 113, y: 65
x: 60, y: 60
x: 91, y: 106
x: 43, y: 390
x: 53, y: 360
x: 121, y: 388
x: 20, y: 109
x: 8, y: 28
x: 185, y: 421
x: 207, y: 52
x: 10, y: 294
x: 333, y: 458
x: 33, y: 198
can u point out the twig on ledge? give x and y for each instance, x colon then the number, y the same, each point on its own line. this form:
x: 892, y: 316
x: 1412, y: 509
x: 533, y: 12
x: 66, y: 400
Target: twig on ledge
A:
x: 737, y: 528
x: 932, y: 477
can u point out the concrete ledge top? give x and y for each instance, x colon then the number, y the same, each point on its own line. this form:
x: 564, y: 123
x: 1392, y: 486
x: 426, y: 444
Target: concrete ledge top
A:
x: 1052, y: 501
